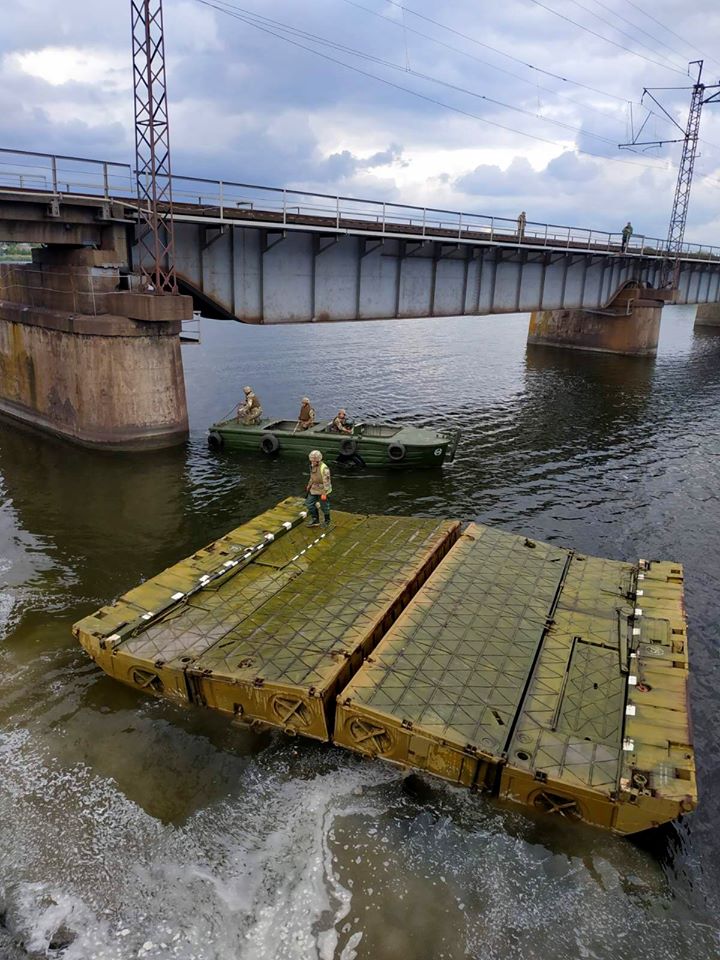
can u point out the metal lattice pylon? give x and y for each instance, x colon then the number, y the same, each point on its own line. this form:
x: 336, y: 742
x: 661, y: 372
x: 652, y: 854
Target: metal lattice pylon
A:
x: 670, y: 266
x: 156, y: 234
x: 678, y: 218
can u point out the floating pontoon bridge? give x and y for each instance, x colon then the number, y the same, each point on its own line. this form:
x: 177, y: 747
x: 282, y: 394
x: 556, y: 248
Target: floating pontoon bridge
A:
x: 496, y: 662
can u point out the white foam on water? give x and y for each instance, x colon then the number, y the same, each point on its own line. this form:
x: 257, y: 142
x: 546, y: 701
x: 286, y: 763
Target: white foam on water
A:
x: 249, y: 877
x: 7, y: 599
x: 49, y: 911
x: 260, y: 875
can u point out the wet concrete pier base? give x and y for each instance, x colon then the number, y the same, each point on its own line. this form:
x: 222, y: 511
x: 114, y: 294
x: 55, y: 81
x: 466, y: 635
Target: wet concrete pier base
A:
x: 86, y: 361
x: 708, y: 315
x: 629, y: 324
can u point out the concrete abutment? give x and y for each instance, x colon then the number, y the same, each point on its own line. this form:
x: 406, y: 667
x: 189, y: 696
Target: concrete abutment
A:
x: 629, y: 324
x: 87, y: 361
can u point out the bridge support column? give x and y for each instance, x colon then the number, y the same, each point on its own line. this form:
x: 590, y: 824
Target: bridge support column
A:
x: 708, y: 315
x: 86, y: 361
x: 630, y: 324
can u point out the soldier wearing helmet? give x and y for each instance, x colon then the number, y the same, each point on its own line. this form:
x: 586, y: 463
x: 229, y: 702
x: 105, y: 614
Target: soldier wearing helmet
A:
x: 319, y: 488
x: 306, y: 417
x: 249, y: 413
x: 339, y: 424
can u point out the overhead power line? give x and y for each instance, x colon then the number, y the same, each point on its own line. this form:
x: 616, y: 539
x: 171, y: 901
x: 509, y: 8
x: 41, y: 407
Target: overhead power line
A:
x: 676, y: 35
x: 459, y: 33
x: 635, y: 26
x: 624, y: 33
x: 407, y: 70
x: 486, y: 46
x: 581, y: 26
x: 529, y: 66
x: 222, y: 6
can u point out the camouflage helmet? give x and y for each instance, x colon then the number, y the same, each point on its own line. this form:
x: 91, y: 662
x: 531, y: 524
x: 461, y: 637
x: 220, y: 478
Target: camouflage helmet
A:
x: 315, y: 455
x: 247, y: 389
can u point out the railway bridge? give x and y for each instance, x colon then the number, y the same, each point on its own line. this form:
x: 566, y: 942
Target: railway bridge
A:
x: 86, y: 353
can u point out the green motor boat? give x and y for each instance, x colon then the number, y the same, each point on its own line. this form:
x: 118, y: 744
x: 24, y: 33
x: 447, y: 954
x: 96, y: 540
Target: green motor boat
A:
x: 369, y: 444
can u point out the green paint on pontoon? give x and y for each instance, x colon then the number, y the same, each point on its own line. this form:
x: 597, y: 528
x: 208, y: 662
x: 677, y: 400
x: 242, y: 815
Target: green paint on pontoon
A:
x: 377, y: 444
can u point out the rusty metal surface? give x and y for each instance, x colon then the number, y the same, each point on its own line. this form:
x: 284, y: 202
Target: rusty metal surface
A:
x: 156, y: 229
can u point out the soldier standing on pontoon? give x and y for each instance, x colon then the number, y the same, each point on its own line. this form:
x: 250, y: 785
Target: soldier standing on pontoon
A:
x: 319, y: 488
x: 250, y: 412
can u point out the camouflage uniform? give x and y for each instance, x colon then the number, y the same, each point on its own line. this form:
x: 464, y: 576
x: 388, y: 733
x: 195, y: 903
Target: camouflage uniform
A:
x: 250, y: 413
x: 319, y: 486
x: 338, y: 425
x: 306, y: 417
x: 626, y: 234
x: 521, y: 222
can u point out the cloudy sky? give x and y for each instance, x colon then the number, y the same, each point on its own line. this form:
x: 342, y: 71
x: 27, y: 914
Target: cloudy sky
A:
x: 490, y: 106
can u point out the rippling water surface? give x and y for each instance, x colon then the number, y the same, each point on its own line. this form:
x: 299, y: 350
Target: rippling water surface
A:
x: 132, y: 828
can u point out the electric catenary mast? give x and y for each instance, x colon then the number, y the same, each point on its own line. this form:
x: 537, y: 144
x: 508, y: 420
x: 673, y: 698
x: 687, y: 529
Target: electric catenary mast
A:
x: 156, y: 235
x: 670, y: 267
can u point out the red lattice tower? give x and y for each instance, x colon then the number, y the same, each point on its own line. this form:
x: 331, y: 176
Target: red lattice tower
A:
x: 156, y: 232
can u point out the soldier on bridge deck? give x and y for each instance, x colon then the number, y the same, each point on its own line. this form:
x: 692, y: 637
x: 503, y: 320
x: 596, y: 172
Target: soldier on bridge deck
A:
x: 627, y: 232
x: 521, y: 224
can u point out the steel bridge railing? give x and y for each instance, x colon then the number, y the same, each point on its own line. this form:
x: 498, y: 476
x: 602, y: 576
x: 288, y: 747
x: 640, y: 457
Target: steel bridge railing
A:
x: 58, y: 174
x: 233, y: 201
x: 228, y: 200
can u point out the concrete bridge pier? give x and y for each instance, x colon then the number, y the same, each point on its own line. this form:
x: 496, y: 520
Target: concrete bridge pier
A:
x: 708, y: 315
x: 628, y: 324
x: 84, y: 359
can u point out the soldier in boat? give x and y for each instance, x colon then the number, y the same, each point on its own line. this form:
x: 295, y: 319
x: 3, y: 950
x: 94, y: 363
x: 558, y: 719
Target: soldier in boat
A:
x: 319, y: 488
x: 249, y: 413
x: 340, y: 424
x: 306, y: 417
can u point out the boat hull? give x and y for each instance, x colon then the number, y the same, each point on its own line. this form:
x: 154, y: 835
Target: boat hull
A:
x: 407, y: 447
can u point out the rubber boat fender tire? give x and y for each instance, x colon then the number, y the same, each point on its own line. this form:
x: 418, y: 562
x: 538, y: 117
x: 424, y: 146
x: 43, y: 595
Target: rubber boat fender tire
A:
x: 269, y: 443
x: 348, y: 447
x: 396, y: 451
x: 215, y: 440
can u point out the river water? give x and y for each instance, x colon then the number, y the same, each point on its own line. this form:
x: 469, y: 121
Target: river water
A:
x: 133, y: 828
